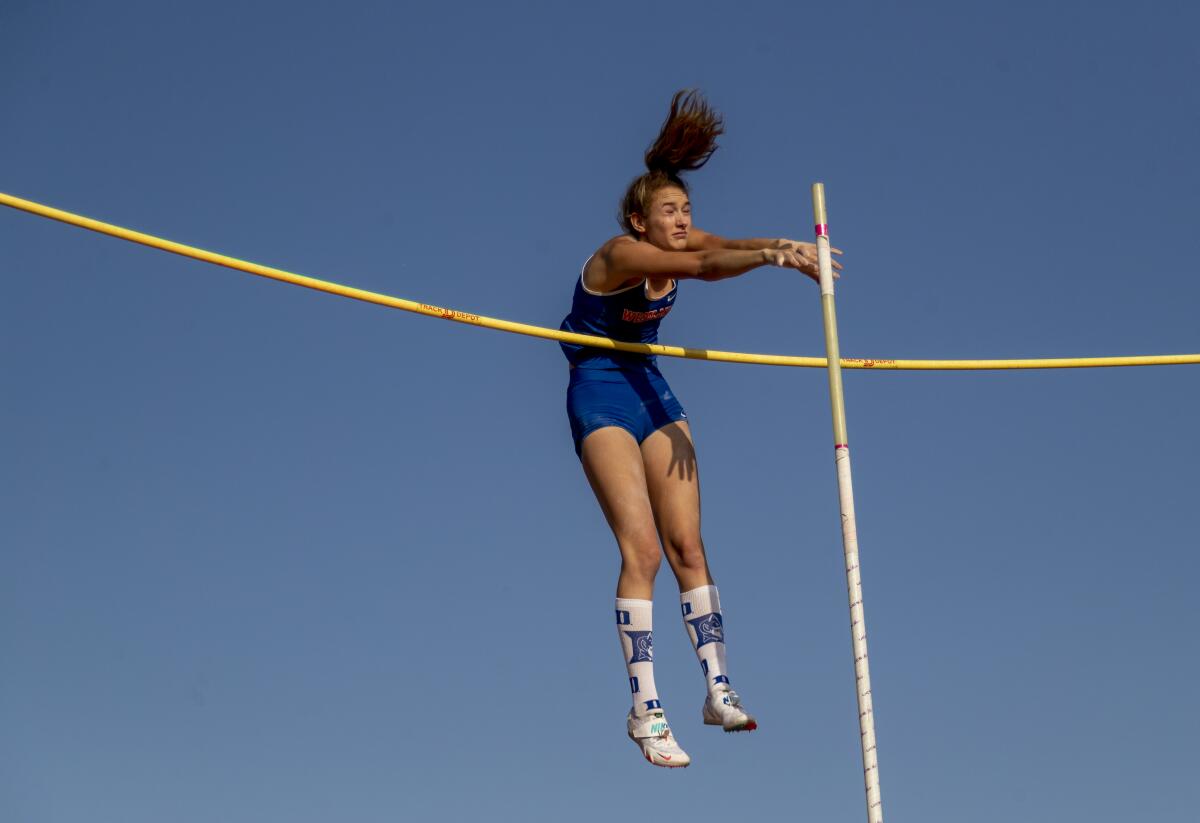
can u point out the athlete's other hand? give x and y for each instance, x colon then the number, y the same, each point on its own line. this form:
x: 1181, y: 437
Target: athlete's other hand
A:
x: 808, y: 252
x: 791, y: 259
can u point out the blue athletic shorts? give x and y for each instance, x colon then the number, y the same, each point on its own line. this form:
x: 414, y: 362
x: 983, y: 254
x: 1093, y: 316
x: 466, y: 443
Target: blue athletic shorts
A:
x: 637, y: 400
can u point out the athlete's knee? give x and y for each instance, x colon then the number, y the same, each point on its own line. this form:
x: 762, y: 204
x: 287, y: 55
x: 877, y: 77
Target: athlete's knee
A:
x: 641, y: 557
x: 686, y: 552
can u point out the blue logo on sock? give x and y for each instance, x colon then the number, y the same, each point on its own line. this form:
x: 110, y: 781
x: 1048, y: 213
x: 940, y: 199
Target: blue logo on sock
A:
x: 720, y: 678
x: 653, y: 704
x: 708, y: 629
x: 634, y: 686
x: 622, y: 618
x: 643, y: 647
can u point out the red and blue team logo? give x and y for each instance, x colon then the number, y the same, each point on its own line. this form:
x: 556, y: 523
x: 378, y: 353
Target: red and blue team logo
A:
x: 630, y: 316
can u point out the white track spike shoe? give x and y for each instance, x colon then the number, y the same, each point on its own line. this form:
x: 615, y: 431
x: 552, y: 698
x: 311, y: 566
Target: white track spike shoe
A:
x: 653, y: 736
x: 724, y: 708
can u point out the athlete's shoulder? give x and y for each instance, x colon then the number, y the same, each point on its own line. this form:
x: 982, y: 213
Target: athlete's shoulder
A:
x: 612, y: 246
x: 599, y: 267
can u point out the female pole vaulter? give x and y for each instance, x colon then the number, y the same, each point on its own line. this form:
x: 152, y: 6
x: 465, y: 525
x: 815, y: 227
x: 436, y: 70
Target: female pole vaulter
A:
x: 630, y: 431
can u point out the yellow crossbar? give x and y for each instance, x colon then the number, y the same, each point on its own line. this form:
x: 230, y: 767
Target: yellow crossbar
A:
x: 568, y: 337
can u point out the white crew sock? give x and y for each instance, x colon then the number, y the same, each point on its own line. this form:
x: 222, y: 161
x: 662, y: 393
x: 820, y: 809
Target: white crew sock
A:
x: 702, y: 618
x: 634, y: 628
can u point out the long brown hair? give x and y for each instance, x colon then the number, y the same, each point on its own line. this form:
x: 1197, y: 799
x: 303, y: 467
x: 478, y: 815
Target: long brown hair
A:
x: 687, y: 139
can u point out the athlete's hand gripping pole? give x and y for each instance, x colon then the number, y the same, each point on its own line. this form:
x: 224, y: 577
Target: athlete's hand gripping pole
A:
x: 841, y: 446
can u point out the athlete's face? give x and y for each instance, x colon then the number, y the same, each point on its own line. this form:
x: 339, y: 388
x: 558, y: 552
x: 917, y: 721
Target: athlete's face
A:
x: 669, y: 219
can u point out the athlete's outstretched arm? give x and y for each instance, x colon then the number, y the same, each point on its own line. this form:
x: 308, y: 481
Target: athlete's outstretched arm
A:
x: 700, y: 240
x: 624, y: 260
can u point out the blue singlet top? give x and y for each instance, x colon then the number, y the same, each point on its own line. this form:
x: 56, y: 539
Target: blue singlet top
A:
x: 626, y: 314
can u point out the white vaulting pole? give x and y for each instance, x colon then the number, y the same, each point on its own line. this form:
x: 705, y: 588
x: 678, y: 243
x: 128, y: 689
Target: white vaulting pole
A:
x: 841, y: 450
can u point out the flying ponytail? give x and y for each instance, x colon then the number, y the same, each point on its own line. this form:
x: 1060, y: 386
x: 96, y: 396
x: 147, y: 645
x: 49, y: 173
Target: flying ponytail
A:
x: 687, y: 139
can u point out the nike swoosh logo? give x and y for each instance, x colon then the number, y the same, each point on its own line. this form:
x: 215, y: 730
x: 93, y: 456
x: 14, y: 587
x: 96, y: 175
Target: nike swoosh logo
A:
x: 665, y: 756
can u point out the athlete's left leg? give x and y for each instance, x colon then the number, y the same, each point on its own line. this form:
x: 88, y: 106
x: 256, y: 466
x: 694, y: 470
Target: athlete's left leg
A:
x: 673, y: 483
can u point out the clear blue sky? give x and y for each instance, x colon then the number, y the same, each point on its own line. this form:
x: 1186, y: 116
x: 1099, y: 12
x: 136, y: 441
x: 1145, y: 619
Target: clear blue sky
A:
x: 272, y: 556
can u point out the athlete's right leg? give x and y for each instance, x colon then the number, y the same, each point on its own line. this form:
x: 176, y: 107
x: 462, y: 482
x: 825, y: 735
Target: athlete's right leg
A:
x: 612, y: 462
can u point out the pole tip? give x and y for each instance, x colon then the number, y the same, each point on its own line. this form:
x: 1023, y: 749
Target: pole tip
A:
x: 818, y: 199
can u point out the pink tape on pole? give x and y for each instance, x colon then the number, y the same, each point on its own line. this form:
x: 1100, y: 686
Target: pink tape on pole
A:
x: 822, y: 229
